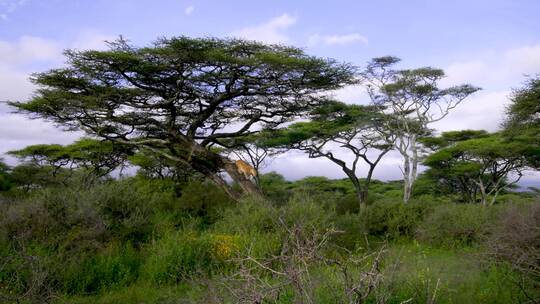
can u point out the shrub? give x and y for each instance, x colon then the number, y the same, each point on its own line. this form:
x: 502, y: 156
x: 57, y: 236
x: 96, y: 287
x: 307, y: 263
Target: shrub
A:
x: 249, y: 216
x: 275, y: 188
x: 308, y: 212
x: 116, y: 266
x: 456, y: 225
x: 516, y: 241
x: 395, y: 219
x: 203, y: 199
x: 183, y: 254
x: 353, y: 231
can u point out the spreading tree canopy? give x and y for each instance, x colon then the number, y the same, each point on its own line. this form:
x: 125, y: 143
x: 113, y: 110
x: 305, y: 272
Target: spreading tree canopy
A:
x: 97, y: 157
x: 483, y: 165
x: 334, y: 129
x: 179, y: 97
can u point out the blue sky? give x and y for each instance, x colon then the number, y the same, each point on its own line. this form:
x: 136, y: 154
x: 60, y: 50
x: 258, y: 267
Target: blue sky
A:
x: 491, y: 44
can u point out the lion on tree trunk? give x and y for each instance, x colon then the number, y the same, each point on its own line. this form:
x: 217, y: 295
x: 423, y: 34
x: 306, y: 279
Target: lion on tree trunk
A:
x: 245, y: 169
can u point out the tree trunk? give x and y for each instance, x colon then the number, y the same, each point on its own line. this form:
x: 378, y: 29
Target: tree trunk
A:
x: 483, y: 195
x: 414, y: 165
x: 235, y: 195
x: 362, y: 198
x: 210, y: 163
x: 247, y: 185
x: 361, y: 192
x: 407, y: 187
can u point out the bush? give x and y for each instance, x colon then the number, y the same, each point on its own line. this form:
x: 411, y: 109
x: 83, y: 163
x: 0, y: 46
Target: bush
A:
x: 395, y: 219
x: 353, y: 231
x: 275, y: 187
x: 116, y: 266
x: 203, y: 199
x: 516, y: 241
x: 455, y: 225
x: 183, y: 254
x: 249, y: 216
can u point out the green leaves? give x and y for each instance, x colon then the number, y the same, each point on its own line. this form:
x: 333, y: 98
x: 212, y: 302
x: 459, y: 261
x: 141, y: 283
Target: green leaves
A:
x: 474, y: 162
x: 327, y: 122
x: 99, y: 156
x: 183, y: 89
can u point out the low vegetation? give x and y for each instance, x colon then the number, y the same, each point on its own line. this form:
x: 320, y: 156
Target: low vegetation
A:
x: 136, y: 240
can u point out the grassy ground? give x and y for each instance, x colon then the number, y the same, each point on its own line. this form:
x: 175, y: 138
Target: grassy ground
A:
x: 412, y: 271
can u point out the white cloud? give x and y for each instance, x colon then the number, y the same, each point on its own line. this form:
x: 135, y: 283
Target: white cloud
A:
x: 15, y: 85
x: 352, y: 94
x: 337, y: 39
x: 482, y: 111
x: 496, y: 70
x: 28, y: 49
x: 524, y: 60
x: 17, y: 60
x: 269, y: 32
x: 496, y: 73
x: 189, y: 10
x: 17, y: 132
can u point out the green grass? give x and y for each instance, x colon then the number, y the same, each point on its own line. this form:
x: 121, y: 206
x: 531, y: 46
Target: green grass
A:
x: 143, y: 293
x: 449, y: 276
x: 411, y: 270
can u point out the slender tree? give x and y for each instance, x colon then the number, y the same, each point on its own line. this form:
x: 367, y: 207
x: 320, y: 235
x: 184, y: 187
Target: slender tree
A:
x: 412, y: 101
x: 180, y: 97
x: 339, y: 132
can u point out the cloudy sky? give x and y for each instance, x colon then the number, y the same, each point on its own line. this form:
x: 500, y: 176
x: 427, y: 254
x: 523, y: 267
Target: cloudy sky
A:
x: 488, y: 43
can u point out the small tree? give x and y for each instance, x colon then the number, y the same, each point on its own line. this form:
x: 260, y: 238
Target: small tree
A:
x: 412, y: 101
x: 97, y: 157
x: 180, y: 97
x: 523, y: 116
x: 446, y: 175
x: 488, y: 163
x: 336, y: 128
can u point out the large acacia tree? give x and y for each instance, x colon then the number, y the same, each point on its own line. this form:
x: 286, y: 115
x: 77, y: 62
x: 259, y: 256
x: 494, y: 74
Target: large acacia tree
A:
x: 180, y: 97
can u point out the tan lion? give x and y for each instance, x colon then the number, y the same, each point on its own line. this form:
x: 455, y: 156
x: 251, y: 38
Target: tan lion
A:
x: 244, y: 168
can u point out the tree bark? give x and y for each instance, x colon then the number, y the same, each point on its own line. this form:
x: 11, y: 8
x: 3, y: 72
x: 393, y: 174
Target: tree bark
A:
x: 361, y: 191
x: 210, y: 163
x: 406, y: 180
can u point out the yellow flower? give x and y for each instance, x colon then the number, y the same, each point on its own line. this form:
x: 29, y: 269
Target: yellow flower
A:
x: 224, y: 245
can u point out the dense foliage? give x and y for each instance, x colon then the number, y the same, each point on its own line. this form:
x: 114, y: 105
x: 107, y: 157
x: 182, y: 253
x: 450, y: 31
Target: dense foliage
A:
x: 75, y: 229
x: 88, y: 243
x: 181, y: 96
